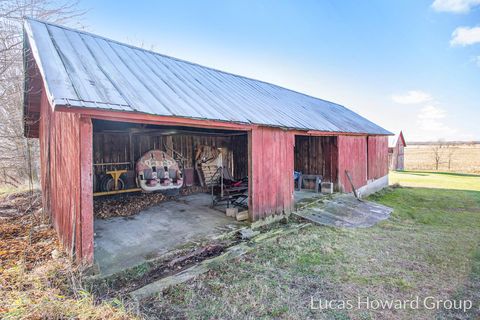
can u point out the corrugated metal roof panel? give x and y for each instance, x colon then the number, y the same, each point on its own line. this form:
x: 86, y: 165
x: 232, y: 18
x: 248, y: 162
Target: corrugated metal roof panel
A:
x: 84, y: 70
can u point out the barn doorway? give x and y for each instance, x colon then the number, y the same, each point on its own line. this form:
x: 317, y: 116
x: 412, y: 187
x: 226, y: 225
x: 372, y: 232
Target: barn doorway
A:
x: 316, y: 166
x: 158, y: 187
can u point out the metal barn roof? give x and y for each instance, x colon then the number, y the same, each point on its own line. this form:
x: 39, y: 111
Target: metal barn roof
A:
x: 84, y: 70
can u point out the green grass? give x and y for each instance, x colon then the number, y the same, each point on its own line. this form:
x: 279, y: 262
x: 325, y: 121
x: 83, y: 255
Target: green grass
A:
x: 429, y: 247
x: 429, y: 179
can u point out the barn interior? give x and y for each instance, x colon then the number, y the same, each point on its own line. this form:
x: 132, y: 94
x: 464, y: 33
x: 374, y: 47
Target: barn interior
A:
x: 144, y: 210
x: 316, y: 166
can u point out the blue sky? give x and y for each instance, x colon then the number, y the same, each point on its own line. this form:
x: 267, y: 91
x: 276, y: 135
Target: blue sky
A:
x: 406, y: 64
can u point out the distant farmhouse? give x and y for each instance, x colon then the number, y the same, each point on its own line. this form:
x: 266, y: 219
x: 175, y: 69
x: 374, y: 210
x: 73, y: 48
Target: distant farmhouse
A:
x: 396, y: 148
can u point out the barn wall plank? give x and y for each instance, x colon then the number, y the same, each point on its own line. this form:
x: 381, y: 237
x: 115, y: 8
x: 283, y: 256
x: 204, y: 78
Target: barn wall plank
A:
x: 271, y: 169
x: 352, y: 156
x: 377, y: 157
x: 317, y: 155
x: 60, y: 167
x: 114, y: 147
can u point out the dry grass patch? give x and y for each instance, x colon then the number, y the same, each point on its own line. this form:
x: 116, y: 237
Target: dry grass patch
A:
x: 463, y: 158
x: 37, y: 281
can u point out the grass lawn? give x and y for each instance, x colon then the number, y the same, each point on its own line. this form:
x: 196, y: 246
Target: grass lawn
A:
x: 443, y: 180
x: 429, y: 247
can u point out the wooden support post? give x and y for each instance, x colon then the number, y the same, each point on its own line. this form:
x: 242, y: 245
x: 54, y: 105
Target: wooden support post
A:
x: 131, y: 150
x: 85, y: 252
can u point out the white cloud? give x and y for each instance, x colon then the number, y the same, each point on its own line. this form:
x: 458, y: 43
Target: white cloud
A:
x: 455, y: 6
x: 430, y: 119
x: 431, y: 112
x: 412, y: 97
x: 464, y: 36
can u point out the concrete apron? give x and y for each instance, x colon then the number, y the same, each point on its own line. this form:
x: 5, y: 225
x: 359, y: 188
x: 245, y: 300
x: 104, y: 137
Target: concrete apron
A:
x: 125, y: 242
x: 344, y: 210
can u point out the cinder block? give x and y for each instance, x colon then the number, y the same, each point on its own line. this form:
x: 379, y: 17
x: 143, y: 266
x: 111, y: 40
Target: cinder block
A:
x: 231, y: 212
x: 242, y: 215
x: 327, y: 187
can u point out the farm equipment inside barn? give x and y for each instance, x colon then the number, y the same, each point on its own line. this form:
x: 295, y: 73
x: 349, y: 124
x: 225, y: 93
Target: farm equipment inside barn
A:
x: 130, y: 157
x: 156, y: 170
x: 114, y: 178
x: 216, y: 173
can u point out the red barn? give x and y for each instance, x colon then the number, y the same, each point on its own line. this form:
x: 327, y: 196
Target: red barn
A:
x: 92, y: 100
x: 396, y: 152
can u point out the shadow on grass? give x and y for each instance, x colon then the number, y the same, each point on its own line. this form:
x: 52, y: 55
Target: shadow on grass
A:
x: 426, y: 173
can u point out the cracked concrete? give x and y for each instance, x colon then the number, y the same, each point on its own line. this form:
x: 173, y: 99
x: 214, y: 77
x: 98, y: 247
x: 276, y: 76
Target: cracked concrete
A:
x: 344, y: 210
x: 124, y: 242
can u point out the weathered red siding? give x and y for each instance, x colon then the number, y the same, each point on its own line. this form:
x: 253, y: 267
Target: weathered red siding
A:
x: 352, y: 156
x: 60, y: 150
x: 317, y: 155
x: 377, y: 157
x: 271, y: 172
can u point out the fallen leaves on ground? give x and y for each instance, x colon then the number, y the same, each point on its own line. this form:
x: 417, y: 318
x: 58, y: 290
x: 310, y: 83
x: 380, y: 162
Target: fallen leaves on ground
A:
x: 25, y: 233
x: 125, y: 205
x: 37, y: 280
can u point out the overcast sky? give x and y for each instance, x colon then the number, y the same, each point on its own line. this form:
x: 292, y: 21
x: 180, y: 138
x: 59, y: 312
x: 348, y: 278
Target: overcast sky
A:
x: 408, y: 64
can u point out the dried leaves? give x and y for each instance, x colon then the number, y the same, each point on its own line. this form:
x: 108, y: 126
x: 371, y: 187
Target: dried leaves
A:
x: 130, y: 204
x: 25, y: 234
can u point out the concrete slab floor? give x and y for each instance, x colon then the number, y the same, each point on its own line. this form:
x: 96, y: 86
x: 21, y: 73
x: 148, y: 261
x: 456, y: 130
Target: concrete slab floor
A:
x: 344, y: 210
x: 305, y: 196
x: 124, y: 242
x: 300, y: 195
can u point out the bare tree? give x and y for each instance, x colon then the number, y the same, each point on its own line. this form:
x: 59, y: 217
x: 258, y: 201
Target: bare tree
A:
x: 18, y: 155
x: 437, y: 153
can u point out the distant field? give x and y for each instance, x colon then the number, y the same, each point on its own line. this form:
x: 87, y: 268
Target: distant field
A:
x: 465, y: 158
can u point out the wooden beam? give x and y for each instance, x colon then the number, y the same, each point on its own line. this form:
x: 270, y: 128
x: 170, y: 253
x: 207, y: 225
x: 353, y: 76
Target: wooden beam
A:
x: 107, y: 193
x: 86, y: 190
x: 137, y: 117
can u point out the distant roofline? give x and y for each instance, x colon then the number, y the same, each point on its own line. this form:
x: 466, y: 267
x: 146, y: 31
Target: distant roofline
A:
x: 181, y: 60
x: 400, y: 136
